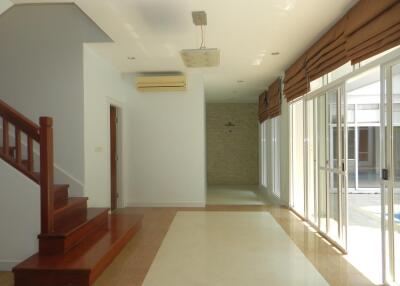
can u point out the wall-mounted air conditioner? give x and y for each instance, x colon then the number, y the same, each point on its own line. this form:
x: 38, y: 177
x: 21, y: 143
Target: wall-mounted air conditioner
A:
x: 158, y: 83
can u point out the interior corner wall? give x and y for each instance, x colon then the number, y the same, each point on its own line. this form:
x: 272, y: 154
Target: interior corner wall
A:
x: 4, y: 5
x: 162, y: 158
x: 232, y: 152
x: 165, y: 144
x: 41, y: 67
x: 103, y: 86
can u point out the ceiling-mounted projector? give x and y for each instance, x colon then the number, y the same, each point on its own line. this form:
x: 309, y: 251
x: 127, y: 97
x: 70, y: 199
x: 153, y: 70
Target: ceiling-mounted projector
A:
x: 202, y: 57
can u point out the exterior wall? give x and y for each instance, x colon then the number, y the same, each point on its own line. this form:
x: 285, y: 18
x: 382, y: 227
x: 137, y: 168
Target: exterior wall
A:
x: 232, y: 152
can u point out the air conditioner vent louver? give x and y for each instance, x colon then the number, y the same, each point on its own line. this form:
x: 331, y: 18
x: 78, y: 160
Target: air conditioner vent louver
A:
x: 159, y: 83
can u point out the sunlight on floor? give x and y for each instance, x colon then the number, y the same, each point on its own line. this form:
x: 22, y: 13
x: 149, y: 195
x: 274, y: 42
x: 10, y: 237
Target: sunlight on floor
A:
x: 365, y: 236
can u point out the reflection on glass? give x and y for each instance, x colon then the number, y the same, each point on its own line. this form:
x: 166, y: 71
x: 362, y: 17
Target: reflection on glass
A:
x: 333, y: 206
x: 322, y: 161
x: 310, y: 160
x: 368, y: 157
x: 351, y: 162
x: 364, y: 236
x: 332, y: 150
x: 298, y: 157
x: 331, y: 136
x: 396, y: 164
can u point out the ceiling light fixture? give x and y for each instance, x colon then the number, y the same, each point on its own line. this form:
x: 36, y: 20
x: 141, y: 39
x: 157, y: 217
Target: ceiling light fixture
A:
x: 201, y: 57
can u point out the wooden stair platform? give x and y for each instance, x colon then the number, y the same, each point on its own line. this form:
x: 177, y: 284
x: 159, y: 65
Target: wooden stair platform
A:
x: 82, y: 264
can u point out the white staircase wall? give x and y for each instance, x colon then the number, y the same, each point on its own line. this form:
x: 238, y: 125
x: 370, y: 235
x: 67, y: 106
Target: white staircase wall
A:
x: 19, y: 217
x: 41, y: 63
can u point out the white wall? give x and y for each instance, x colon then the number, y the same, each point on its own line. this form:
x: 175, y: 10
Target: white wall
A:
x: 163, y: 139
x: 103, y: 85
x: 41, y: 61
x: 166, y: 141
x: 19, y: 217
x: 4, y: 5
x: 41, y: 67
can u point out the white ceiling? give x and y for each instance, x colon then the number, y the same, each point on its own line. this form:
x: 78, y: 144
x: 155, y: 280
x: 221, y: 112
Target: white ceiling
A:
x: 246, y: 32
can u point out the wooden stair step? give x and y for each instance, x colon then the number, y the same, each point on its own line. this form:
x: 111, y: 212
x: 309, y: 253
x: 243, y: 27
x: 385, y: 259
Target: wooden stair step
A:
x: 74, y: 209
x: 73, y: 232
x: 60, y: 195
x: 83, y: 264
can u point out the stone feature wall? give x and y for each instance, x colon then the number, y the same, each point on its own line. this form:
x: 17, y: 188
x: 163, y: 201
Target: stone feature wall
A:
x: 232, y: 151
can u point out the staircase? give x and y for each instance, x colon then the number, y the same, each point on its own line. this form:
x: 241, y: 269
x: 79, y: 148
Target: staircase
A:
x: 76, y: 243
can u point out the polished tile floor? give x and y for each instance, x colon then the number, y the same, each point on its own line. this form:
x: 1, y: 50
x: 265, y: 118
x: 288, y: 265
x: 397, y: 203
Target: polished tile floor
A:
x: 234, y: 195
x: 132, y: 265
x: 230, y: 248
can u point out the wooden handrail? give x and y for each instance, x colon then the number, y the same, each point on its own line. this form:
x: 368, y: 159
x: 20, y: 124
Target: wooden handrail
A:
x: 46, y: 175
x: 42, y: 134
x: 17, y: 119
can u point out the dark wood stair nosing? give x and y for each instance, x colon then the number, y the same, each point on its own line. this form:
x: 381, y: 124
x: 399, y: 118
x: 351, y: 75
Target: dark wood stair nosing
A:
x: 84, y: 263
x: 72, y: 202
x: 76, y: 228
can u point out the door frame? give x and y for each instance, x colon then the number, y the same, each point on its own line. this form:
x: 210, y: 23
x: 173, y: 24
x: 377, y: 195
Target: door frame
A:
x: 119, y: 135
x: 387, y: 185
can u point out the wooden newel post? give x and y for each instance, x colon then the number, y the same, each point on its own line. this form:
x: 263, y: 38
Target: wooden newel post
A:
x: 46, y: 175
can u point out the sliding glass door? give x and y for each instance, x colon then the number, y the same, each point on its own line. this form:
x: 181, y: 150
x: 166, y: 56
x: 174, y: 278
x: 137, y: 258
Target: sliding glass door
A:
x: 318, y: 162
x: 331, y: 130
x: 345, y: 167
x: 297, y: 160
x: 390, y: 110
x: 311, y: 159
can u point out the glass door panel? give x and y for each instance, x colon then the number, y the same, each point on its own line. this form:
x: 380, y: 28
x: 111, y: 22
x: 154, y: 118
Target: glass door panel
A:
x: 311, y: 162
x: 396, y: 168
x: 332, y: 100
x: 297, y: 157
x: 322, y: 159
x: 391, y: 184
x: 330, y: 141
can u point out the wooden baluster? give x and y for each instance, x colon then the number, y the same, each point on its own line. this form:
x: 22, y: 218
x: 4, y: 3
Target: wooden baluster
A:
x: 30, y: 154
x: 17, y: 145
x: 46, y: 174
x: 6, y: 142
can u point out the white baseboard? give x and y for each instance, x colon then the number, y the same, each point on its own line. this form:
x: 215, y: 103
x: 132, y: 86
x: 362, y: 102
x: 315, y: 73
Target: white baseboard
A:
x: 167, y: 204
x: 7, y: 265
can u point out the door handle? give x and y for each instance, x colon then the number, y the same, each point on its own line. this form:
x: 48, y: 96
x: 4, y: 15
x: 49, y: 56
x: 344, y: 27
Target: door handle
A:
x: 385, y: 174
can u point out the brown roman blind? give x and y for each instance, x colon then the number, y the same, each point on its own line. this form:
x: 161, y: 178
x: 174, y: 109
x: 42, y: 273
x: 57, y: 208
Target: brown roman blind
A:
x: 274, y: 99
x: 367, y: 29
x: 328, y: 53
x: 372, y: 27
x: 262, y: 107
x: 296, y: 81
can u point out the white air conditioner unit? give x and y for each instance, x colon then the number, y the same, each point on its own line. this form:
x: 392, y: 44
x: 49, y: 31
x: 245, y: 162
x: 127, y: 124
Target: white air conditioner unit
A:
x: 157, y: 83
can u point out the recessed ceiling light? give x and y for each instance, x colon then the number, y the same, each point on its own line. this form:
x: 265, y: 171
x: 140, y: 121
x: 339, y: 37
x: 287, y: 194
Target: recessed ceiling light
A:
x: 131, y: 58
x: 275, y: 53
